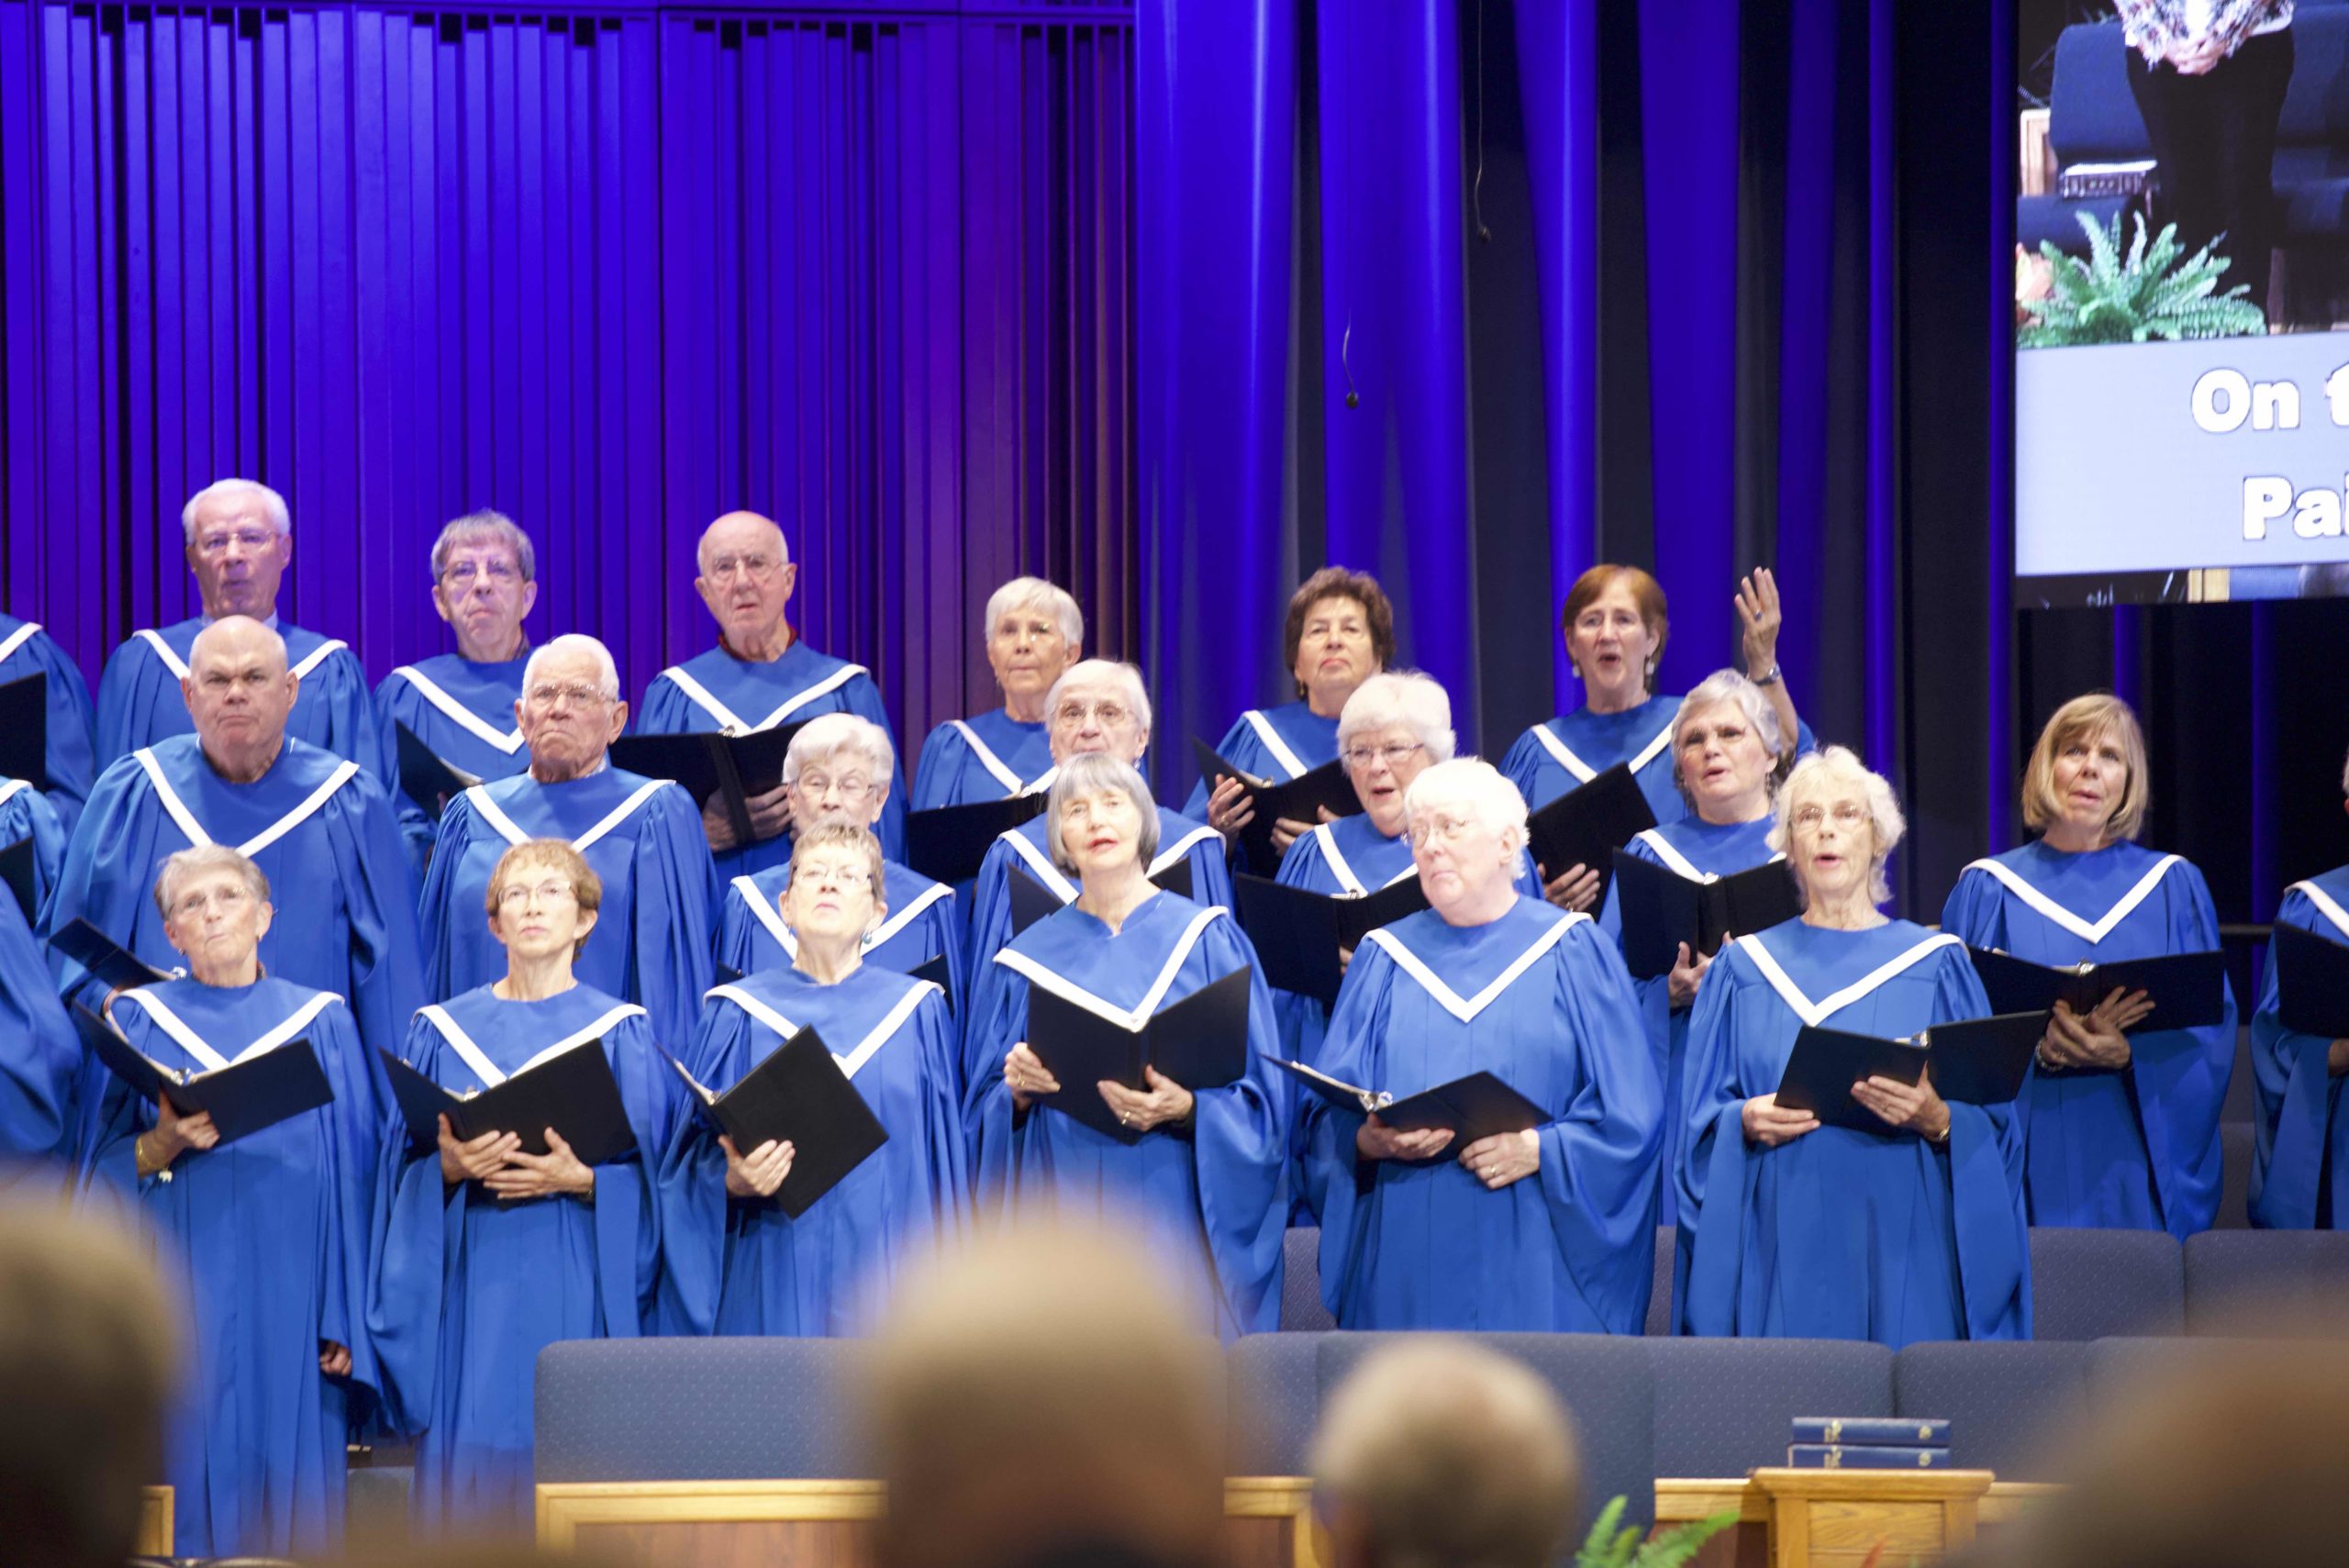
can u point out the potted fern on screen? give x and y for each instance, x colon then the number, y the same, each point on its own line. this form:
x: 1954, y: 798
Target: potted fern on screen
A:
x: 1613, y: 1544
x: 2151, y: 291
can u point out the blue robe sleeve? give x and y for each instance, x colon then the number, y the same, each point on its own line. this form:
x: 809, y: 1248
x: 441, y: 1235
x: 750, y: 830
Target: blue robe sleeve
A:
x: 29, y: 814
x: 133, y: 682
x: 1522, y: 765
x: 2180, y: 1075
x: 991, y: 913
x: 357, y: 1121
x: 1240, y: 1138
x: 2298, y: 1128
x: 1210, y: 875
x: 675, y: 889
x: 995, y: 1019
x: 419, y: 830
x: 379, y: 894
x: 447, y: 924
x: 738, y: 931
x: 1972, y: 912
x: 665, y: 710
x: 418, y: 1218
x: 356, y: 728
x: 627, y: 1219
x: 69, y: 757
x: 692, y: 1179
x: 1985, y: 1160
x: 948, y: 1151
x: 862, y: 699
x: 1337, y: 1181
x: 941, y: 753
x: 1714, y: 1168
x: 39, y: 1054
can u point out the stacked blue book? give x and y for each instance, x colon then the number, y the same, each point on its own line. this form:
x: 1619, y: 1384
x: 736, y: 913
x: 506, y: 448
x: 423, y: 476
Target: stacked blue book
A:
x: 1868, y: 1442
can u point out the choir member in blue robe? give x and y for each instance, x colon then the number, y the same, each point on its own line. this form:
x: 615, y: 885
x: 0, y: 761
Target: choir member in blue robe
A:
x: 1725, y: 761
x: 39, y: 1054
x: 308, y: 819
x: 268, y: 1236
x: 1206, y: 1182
x: 1615, y: 626
x: 1792, y: 1229
x: 2122, y: 1128
x: 837, y: 773
x: 487, y: 1255
x: 464, y: 705
x: 1339, y: 633
x: 1097, y: 706
x: 27, y: 813
x: 239, y: 541
x: 651, y: 943
x: 2299, y: 1167
x: 27, y: 650
x: 734, y: 1261
x: 760, y: 675
x: 1034, y: 632
x: 1551, y: 1229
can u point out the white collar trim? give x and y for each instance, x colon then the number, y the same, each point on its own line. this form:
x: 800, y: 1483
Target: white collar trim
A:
x: 731, y: 723
x: 13, y: 788
x: 17, y: 640
x: 2047, y: 906
x: 1169, y: 855
x: 769, y: 914
x: 1041, y: 865
x: 511, y: 831
x: 163, y: 651
x: 508, y: 741
x: 343, y: 774
x: 1584, y: 771
x: 2326, y: 903
x: 1818, y: 1012
x: 1131, y: 1019
x: 1466, y: 1008
x: 488, y: 1072
x: 196, y: 1045
x: 874, y: 1038
x: 986, y: 756
x: 1273, y: 743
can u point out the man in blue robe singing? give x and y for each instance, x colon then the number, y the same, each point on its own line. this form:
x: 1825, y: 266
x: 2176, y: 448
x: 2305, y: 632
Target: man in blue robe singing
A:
x: 239, y: 540
x: 642, y: 836
x: 759, y: 676
x: 26, y: 650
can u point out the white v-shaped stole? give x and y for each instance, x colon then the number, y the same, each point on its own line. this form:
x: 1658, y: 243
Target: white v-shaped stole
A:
x: 995, y: 764
x: 196, y: 1045
x: 506, y: 741
x: 2091, y: 933
x: 511, y: 831
x: 1818, y: 1012
x: 1466, y: 1008
x: 194, y: 831
x: 1273, y: 743
x: 1565, y: 757
x: 488, y: 1072
x: 178, y: 666
x: 1051, y: 877
x: 874, y: 1038
x: 733, y: 723
x: 13, y: 788
x: 2325, y: 903
x: 17, y: 640
x: 1135, y: 1017
x: 769, y: 914
x: 1678, y: 863
x: 1339, y: 867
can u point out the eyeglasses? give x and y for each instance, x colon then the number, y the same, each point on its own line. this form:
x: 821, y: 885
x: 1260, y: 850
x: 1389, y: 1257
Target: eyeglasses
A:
x: 1361, y: 757
x: 462, y: 575
x: 215, y: 544
x: 576, y: 695
x: 1110, y: 713
x: 757, y: 567
x: 1847, y: 815
x: 815, y: 787
x: 233, y: 896
x: 1450, y: 830
x: 854, y: 877
x: 545, y: 892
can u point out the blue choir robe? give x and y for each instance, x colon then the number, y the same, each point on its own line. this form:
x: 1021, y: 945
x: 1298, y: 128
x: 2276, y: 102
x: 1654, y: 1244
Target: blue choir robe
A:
x: 139, y: 700
x: 920, y: 925
x: 269, y: 1240
x: 1842, y: 1235
x: 2299, y: 1165
x: 27, y: 650
x: 468, y: 1289
x: 1426, y: 1245
x: 744, y: 1266
x: 643, y: 837
x: 1276, y: 743
x: 1701, y: 851
x: 1179, y: 839
x: 1212, y: 1200
x: 715, y: 691
x: 1571, y: 750
x: 28, y: 813
x: 463, y: 712
x: 40, y: 1053
x: 2137, y: 1149
x: 318, y: 826
x: 989, y: 756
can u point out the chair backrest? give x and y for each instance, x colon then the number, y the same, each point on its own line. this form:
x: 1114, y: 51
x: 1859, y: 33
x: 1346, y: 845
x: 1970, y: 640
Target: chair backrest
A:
x: 2316, y: 101
x: 1301, y: 1307
x: 2301, y: 1273
x: 2085, y: 1284
x: 2234, y: 1172
x: 1275, y: 1399
x: 2092, y: 115
x: 697, y: 1409
x: 2007, y: 1405
x: 1724, y: 1405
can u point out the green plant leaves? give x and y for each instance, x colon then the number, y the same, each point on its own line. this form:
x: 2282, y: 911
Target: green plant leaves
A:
x: 1612, y: 1544
x: 2135, y: 296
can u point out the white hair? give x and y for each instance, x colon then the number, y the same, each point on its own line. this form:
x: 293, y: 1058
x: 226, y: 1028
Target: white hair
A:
x: 1035, y: 594
x: 485, y: 527
x: 1474, y: 784
x: 1731, y: 687
x: 827, y: 735
x: 182, y: 864
x: 1089, y: 774
x: 1832, y: 769
x: 1114, y: 672
x: 1405, y: 697
x: 608, y: 674
x: 272, y: 504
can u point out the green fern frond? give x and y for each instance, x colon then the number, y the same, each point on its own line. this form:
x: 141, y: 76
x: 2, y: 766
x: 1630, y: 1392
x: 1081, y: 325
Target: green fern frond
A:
x: 2136, y: 293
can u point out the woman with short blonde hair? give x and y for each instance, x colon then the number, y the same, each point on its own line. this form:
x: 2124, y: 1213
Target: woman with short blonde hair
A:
x: 1032, y: 632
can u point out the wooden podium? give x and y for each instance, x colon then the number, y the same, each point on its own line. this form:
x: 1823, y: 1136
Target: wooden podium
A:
x: 154, y: 1522
x: 1834, y: 1519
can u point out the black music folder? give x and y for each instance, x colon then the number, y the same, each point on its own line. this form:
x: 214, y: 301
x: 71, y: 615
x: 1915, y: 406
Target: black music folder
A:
x: 242, y: 1098
x: 2311, y: 982
x: 1473, y: 1107
x: 2187, y: 989
x: 1584, y: 826
x: 935, y: 971
x: 1299, y: 799
x: 426, y: 777
x: 729, y: 767
x: 1201, y: 1042
x: 17, y: 869
x: 798, y: 1095
x: 1031, y: 900
x: 1298, y: 934
x: 112, y: 964
x: 23, y: 730
x: 1980, y: 1061
x: 949, y: 843
x: 574, y: 1093
x: 1661, y: 909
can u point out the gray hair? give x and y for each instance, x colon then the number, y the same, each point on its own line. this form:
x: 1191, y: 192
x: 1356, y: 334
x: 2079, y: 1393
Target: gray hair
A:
x: 1035, y: 594
x: 1116, y: 672
x: 272, y: 504
x: 1405, y: 697
x: 827, y: 735
x: 1090, y: 773
x: 1728, y: 685
x: 184, y: 863
x: 485, y: 527
x: 1473, y: 782
x: 608, y: 674
x: 1823, y: 771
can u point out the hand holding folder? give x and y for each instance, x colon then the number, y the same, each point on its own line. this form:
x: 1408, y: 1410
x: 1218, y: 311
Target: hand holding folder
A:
x: 241, y: 1098
x: 1664, y: 911
x: 1200, y: 1042
x: 428, y: 778
x: 729, y: 768
x: 1301, y: 937
x: 1471, y: 1109
x: 573, y: 1093
x: 1301, y: 799
x: 1972, y: 1061
x: 798, y: 1095
x: 1584, y: 826
x: 2188, y: 990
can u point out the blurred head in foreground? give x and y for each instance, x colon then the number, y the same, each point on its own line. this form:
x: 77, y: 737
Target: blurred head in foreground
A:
x: 85, y: 1367
x: 1439, y: 1453
x: 1038, y: 1398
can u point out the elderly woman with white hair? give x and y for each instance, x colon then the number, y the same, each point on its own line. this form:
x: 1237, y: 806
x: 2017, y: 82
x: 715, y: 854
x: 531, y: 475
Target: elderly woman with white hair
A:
x: 1034, y: 631
x: 1097, y: 706
x: 269, y: 1235
x: 837, y: 773
x: 2121, y: 1115
x: 1205, y: 1173
x: 1726, y: 763
x: 2299, y: 1169
x: 1549, y: 1227
x: 1790, y: 1227
x: 643, y: 837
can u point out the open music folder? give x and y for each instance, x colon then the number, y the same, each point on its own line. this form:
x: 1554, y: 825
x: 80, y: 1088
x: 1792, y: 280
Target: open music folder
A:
x: 796, y: 1095
x: 241, y: 1098
x: 1200, y: 1042
x: 574, y: 1093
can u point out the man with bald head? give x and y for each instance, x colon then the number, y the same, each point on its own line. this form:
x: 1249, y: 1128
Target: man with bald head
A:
x: 319, y: 827
x: 238, y: 540
x: 759, y: 676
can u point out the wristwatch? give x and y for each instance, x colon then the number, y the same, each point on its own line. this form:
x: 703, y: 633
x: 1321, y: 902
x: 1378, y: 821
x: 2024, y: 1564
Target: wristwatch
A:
x: 1769, y: 677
